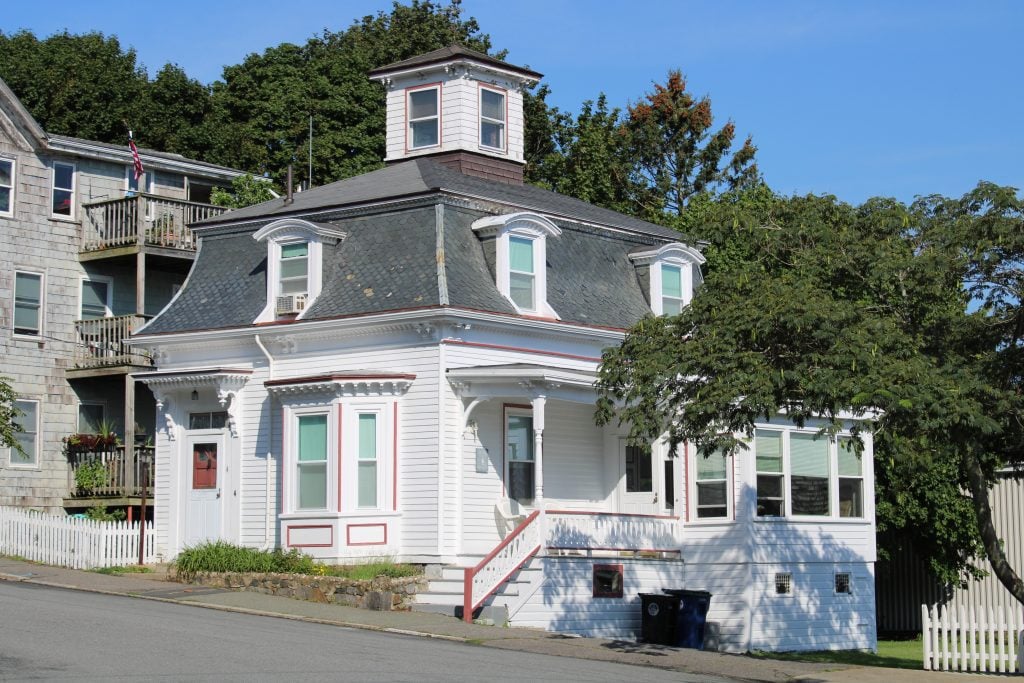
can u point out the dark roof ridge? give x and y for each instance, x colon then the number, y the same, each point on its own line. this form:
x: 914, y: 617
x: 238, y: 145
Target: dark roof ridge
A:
x: 449, y: 53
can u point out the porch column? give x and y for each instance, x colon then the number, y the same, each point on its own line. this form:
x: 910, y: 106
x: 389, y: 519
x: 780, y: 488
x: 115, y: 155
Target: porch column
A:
x: 538, y: 452
x: 129, y: 434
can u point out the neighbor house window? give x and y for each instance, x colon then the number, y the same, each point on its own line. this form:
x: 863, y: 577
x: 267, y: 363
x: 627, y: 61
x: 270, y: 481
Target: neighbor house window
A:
x: 424, y: 117
x: 712, y: 483
x: 851, y: 479
x: 367, y: 456
x: 95, y: 299
x: 671, y: 290
x: 6, y: 187
x: 294, y: 268
x: 771, y: 501
x: 522, y: 278
x: 63, y: 191
x: 28, y: 303
x: 639, y: 473
x: 311, y: 475
x: 492, y: 118
x: 26, y: 417
x: 519, y: 456
x: 809, y: 473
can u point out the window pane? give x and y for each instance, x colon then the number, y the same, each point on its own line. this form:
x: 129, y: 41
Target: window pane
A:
x: 90, y: 416
x: 711, y: 493
x: 219, y: 419
x: 851, y: 498
x: 520, y: 254
x: 492, y: 134
x: 294, y: 250
x: 808, y: 455
x: 769, y: 450
x: 27, y: 300
x: 521, y: 290
x: 291, y: 268
x: 198, y: 420
x: 63, y: 176
x: 638, y: 469
x: 671, y: 306
x: 312, y: 438
x: 62, y: 202
x: 520, y: 480
x: 368, y: 436
x: 368, y: 484
x: 671, y: 281
x: 6, y: 169
x: 810, y: 495
x: 312, y: 485
x: 770, y: 502
x: 422, y: 103
x: 711, y: 467
x: 94, y: 299
x: 520, y: 438
x: 6, y: 184
x: 492, y: 105
x: 28, y: 421
x: 424, y: 133
x: 849, y: 459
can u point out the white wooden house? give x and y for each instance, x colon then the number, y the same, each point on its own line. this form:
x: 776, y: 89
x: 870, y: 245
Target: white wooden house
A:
x: 401, y: 365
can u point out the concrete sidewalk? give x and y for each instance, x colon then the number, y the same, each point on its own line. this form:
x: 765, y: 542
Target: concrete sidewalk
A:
x: 711, y: 664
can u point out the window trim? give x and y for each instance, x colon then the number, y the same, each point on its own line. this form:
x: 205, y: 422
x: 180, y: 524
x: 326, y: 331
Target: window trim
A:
x: 528, y: 226
x: 436, y: 86
x: 40, y: 316
x: 12, y: 187
x: 108, y: 304
x: 72, y: 215
x: 34, y: 464
x: 481, y: 119
x: 694, y: 496
x: 330, y: 455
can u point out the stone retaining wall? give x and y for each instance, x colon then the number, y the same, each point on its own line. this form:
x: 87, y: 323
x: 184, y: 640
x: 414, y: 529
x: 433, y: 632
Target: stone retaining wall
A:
x: 381, y: 593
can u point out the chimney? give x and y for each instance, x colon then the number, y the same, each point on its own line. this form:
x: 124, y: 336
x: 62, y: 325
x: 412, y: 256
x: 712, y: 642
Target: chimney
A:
x: 462, y: 108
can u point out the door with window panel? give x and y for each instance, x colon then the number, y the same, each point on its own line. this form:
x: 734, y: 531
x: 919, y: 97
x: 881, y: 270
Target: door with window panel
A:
x: 639, y: 480
x: 204, y: 480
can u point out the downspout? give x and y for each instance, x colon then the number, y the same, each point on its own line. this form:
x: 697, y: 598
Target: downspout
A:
x: 267, y: 536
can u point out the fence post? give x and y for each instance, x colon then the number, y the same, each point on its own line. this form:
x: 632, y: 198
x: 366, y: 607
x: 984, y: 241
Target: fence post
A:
x: 925, y: 638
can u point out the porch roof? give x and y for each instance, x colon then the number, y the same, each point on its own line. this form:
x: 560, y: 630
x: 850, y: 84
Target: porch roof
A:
x: 523, y: 379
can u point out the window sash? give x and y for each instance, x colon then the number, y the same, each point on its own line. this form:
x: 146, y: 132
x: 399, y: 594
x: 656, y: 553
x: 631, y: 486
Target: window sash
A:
x: 6, y: 186
x: 28, y: 437
x: 294, y: 268
x: 367, y: 457
x: 311, y: 462
x: 95, y: 295
x: 424, y: 118
x: 639, y: 469
x: 712, y: 485
x: 28, y: 300
x: 522, y: 278
x: 492, y: 119
x: 519, y: 456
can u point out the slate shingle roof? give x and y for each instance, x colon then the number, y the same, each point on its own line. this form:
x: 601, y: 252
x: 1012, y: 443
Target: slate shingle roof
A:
x: 389, y: 258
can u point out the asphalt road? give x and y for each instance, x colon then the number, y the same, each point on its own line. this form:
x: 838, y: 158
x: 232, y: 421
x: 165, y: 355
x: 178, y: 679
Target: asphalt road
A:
x: 56, y: 634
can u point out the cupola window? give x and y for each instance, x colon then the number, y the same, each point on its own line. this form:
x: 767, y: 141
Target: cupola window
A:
x: 424, y: 117
x: 492, y: 118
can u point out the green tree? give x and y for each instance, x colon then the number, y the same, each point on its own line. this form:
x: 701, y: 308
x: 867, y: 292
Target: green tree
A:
x: 8, y: 427
x: 812, y: 307
x: 676, y: 153
x: 81, y: 85
x: 177, y: 113
x: 245, y: 191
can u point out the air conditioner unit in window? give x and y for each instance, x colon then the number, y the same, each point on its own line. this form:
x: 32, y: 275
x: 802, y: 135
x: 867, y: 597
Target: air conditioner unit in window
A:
x: 290, y: 303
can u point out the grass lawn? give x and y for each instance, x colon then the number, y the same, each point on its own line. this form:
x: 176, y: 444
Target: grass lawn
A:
x: 898, y: 654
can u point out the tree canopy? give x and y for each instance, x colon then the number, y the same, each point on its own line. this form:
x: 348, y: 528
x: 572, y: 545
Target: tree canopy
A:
x: 8, y: 427
x: 812, y: 307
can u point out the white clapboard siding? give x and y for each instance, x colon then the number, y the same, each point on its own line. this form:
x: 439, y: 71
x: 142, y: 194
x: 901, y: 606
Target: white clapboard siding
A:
x: 962, y: 637
x: 71, y: 541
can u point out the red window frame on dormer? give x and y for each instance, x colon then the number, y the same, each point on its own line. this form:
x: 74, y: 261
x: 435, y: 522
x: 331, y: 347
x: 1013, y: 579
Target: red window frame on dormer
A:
x: 408, y: 123
x: 480, y: 117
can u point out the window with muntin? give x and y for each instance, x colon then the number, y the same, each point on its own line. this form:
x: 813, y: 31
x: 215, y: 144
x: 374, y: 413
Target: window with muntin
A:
x: 492, y: 119
x: 424, y: 117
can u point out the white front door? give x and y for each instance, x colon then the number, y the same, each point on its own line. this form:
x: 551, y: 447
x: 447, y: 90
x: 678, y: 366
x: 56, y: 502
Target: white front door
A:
x: 204, y: 481
x: 639, y: 479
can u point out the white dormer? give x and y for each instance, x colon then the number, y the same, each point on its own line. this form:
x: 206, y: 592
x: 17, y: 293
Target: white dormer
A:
x: 670, y: 274
x: 521, y: 259
x: 454, y: 100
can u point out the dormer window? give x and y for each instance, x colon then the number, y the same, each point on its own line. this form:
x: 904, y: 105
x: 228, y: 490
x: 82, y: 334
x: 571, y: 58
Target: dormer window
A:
x: 520, y: 258
x: 669, y: 276
x: 492, y: 118
x: 295, y: 254
x: 424, y: 117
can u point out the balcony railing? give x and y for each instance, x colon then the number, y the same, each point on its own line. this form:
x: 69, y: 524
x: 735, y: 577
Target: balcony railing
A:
x: 122, y: 477
x: 101, y: 342
x: 144, y: 220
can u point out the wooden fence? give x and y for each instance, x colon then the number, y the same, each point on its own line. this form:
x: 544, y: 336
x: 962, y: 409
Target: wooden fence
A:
x: 959, y: 638
x: 71, y: 541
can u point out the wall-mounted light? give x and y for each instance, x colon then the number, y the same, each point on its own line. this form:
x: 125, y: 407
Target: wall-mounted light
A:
x: 195, y: 395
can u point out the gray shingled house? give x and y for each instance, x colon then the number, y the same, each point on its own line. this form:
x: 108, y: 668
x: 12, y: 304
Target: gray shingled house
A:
x: 401, y: 364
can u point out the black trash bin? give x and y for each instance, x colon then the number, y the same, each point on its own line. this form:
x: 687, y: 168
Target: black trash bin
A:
x: 692, y: 616
x: 659, y: 618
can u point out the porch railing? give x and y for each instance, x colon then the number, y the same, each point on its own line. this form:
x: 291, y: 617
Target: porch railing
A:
x: 101, y: 342
x: 505, y: 560
x: 608, y: 531
x: 144, y: 219
x: 123, y: 477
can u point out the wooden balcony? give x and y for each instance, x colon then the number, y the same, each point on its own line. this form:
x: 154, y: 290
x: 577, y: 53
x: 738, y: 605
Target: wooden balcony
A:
x: 143, y: 220
x: 100, y: 342
x: 124, y: 477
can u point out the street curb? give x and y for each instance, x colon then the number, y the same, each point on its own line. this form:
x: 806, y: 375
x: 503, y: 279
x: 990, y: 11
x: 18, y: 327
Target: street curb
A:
x: 15, y: 578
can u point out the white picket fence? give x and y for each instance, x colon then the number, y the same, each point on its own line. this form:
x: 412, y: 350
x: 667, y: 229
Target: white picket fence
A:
x: 959, y: 638
x: 71, y: 541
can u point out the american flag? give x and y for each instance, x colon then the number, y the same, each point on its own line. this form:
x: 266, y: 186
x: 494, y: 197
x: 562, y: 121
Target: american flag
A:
x: 136, y: 161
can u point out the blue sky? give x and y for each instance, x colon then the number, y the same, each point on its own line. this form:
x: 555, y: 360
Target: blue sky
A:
x: 855, y: 99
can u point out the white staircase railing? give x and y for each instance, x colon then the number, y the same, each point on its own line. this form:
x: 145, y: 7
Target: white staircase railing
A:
x: 504, y: 561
